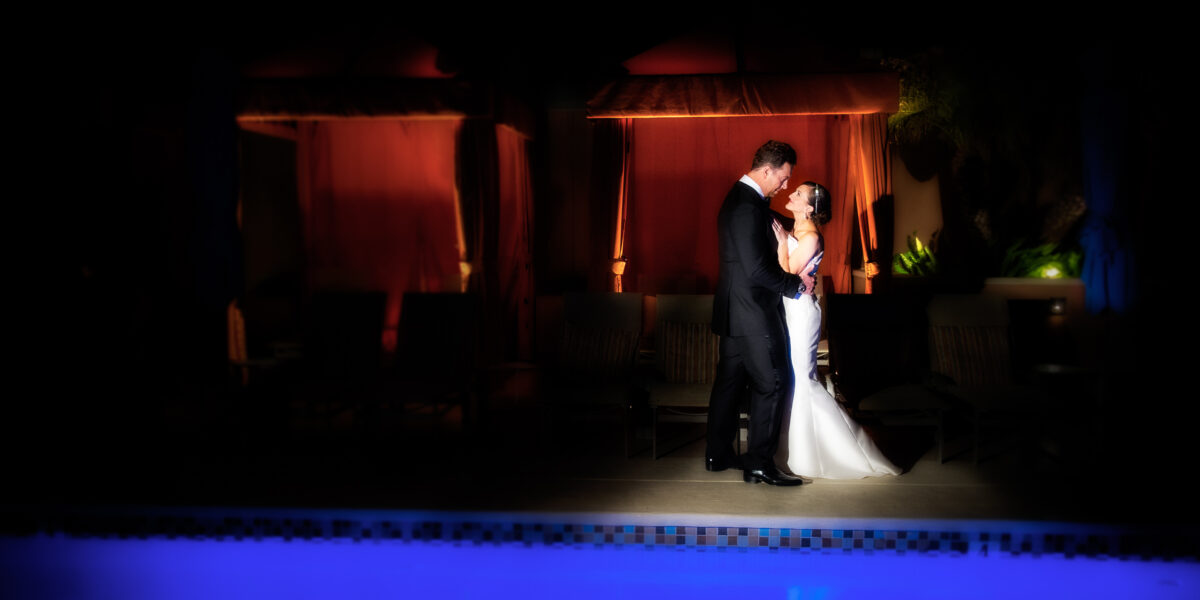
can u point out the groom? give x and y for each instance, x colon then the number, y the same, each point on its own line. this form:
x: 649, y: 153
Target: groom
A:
x: 748, y: 315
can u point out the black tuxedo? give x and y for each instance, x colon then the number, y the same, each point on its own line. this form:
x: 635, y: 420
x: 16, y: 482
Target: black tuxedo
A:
x: 748, y: 315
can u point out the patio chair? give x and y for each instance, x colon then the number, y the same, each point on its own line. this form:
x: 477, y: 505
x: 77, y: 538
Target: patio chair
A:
x: 685, y: 363
x: 970, y: 357
x: 590, y: 377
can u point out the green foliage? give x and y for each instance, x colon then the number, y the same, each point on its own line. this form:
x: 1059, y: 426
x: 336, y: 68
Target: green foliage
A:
x: 919, y: 260
x: 1047, y: 261
x: 928, y: 103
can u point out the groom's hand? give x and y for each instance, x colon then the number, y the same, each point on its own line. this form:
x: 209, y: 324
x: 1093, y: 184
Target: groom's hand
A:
x: 807, y: 282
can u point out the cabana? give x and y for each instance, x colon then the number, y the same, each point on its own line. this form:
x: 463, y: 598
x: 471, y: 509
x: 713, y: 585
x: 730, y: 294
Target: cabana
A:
x: 409, y: 185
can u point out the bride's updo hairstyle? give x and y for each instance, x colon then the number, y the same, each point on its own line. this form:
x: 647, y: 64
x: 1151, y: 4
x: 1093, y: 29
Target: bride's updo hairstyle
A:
x: 818, y: 198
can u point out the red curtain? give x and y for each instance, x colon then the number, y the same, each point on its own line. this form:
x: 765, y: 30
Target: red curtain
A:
x: 839, y: 232
x: 622, y: 212
x: 378, y: 201
x: 682, y: 169
x: 514, y: 258
x: 871, y: 174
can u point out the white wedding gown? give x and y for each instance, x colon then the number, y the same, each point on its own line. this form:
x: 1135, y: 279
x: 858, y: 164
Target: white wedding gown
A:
x: 818, y: 439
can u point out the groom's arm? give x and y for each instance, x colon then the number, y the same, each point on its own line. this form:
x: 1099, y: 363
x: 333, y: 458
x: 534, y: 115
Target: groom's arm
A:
x: 761, y: 266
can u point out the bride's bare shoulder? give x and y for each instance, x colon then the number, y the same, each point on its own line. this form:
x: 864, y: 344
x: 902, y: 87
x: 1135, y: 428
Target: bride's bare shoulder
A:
x: 807, y: 238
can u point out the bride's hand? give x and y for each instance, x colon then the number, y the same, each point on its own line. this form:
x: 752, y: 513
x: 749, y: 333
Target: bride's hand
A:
x: 780, y: 232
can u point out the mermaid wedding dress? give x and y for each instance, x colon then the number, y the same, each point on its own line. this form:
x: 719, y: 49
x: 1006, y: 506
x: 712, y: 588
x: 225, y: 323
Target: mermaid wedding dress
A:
x: 818, y: 439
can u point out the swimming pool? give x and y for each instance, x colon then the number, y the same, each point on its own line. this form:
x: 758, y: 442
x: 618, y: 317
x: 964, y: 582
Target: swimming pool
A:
x: 297, y: 553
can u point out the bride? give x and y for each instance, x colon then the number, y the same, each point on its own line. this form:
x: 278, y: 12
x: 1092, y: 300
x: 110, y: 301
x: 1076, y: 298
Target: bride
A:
x: 817, y: 438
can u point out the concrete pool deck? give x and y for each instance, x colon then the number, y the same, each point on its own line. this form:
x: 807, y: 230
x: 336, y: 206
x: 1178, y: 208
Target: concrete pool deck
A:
x: 590, y: 474
x: 511, y: 466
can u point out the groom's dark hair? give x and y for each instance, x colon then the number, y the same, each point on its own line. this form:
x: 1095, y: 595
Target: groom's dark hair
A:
x: 773, y: 154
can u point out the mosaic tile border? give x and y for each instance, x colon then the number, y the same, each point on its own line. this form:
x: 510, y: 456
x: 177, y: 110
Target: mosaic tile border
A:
x: 1124, y: 545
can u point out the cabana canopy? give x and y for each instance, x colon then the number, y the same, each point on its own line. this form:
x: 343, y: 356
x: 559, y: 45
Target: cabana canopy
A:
x: 746, y: 95
x: 330, y: 98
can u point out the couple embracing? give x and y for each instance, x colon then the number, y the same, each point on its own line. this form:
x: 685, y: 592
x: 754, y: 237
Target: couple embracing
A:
x: 765, y: 311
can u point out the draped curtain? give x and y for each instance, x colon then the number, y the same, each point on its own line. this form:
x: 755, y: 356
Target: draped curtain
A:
x: 625, y: 129
x: 608, y: 200
x: 514, y: 257
x: 477, y: 184
x: 1107, y: 268
x: 870, y: 173
x: 377, y: 199
x: 839, y: 232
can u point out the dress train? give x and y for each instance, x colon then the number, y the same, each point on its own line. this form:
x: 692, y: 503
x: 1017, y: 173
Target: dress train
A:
x: 818, y: 439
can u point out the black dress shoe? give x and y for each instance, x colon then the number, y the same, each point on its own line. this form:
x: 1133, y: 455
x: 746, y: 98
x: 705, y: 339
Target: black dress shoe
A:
x: 769, y: 476
x: 720, y: 464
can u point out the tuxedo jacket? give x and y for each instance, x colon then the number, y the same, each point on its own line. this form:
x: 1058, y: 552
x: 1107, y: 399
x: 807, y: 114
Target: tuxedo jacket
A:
x: 750, y: 282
